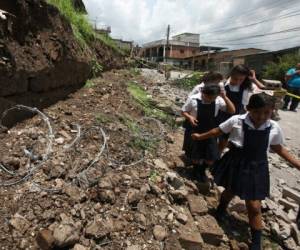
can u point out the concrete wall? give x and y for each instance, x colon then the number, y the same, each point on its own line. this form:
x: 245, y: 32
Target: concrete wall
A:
x: 187, y: 37
x: 213, y: 60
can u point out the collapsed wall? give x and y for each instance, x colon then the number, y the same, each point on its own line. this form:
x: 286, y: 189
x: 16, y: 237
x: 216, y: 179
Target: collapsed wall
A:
x: 41, y: 62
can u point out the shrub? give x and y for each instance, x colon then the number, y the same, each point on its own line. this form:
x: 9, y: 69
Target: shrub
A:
x: 189, y: 82
x: 278, y: 70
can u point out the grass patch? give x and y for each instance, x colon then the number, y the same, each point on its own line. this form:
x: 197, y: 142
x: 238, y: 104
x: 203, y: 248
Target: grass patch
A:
x: 82, y: 29
x: 190, y: 82
x: 89, y: 84
x: 146, y: 104
x: 135, y: 72
x: 139, y: 141
x: 103, y: 118
x: 107, y: 40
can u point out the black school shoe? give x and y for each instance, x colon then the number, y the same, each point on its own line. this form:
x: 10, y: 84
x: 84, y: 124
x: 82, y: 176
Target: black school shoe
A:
x: 199, y: 174
x: 221, y: 214
x: 255, y: 247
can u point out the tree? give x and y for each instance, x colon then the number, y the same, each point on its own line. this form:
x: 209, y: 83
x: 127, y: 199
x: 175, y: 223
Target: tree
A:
x: 278, y: 70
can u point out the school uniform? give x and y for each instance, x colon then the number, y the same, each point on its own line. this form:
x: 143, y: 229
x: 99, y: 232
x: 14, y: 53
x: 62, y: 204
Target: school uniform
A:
x: 239, y: 96
x: 197, y: 89
x: 206, y: 114
x: 243, y: 170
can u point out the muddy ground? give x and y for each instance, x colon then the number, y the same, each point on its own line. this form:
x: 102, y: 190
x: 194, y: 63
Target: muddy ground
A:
x: 98, y: 174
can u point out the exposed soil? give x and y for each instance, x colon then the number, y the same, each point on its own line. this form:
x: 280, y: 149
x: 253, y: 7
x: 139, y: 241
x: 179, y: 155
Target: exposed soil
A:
x: 41, y: 62
x: 128, y: 198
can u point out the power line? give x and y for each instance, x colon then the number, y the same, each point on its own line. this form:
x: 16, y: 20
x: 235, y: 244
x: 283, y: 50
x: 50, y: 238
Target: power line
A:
x: 255, y: 10
x: 295, y: 29
x: 261, y: 42
x: 284, y: 16
x: 275, y: 3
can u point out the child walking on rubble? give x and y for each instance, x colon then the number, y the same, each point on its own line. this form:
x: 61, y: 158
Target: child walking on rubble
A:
x: 208, y: 78
x: 243, y: 170
x: 241, y: 84
x: 200, y: 111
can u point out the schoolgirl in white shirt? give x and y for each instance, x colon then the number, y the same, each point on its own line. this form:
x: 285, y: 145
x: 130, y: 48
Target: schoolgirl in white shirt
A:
x: 243, y: 170
x: 239, y: 87
x: 201, y: 111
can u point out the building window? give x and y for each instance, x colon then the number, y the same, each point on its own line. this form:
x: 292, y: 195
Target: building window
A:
x: 194, y: 52
x: 181, y: 51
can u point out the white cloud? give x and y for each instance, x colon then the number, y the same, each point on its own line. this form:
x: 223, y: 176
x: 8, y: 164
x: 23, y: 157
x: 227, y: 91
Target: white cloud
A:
x: 147, y: 20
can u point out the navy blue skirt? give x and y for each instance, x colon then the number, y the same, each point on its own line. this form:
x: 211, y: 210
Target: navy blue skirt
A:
x: 200, y: 150
x: 205, y: 150
x: 245, y: 178
x: 187, y: 141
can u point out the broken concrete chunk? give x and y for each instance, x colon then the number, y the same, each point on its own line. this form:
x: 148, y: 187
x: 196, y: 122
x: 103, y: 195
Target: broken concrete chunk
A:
x: 107, y: 196
x: 133, y: 197
x: 197, y: 204
x: 210, y: 230
x: 65, y: 235
x: 179, y: 195
x: 190, y: 238
x: 172, y: 243
x: 287, y: 204
x: 45, y: 239
x: 174, y: 180
x: 74, y: 193
x: 291, y: 193
x: 182, y: 218
x: 19, y: 223
x: 160, y: 233
x: 105, y: 183
x: 96, y: 229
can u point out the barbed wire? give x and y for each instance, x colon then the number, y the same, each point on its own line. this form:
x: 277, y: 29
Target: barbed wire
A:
x: 44, y: 157
x: 82, y: 178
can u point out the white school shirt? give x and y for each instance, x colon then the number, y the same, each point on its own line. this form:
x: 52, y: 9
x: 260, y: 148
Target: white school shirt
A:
x: 234, y: 126
x: 191, y: 105
x: 197, y: 89
x: 247, y: 93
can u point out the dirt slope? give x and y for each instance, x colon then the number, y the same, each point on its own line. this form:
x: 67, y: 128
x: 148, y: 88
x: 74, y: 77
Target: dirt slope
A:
x: 41, y: 62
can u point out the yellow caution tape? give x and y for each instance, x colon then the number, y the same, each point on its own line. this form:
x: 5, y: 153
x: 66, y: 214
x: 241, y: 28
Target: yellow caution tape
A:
x: 283, y: 92
x: 292, y: 95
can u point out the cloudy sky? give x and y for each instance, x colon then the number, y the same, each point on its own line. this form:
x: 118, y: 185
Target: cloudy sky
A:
x: 219, y: 22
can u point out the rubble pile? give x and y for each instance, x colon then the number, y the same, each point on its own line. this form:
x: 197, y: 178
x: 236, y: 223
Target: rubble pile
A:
x: 101, y: 188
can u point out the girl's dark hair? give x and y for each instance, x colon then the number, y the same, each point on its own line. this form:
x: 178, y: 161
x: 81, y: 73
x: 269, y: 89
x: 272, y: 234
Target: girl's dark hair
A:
x: 212, y: 77
x: 261, y: 100
x: 245, y: 71
x: 211, y: 89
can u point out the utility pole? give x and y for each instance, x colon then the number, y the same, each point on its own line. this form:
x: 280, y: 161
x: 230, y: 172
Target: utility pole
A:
x: 208, y: 57
x: 96, y: 20
x: 168, y: 41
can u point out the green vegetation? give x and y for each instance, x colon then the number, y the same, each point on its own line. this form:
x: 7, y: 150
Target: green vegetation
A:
x: 82, y: 29
x: 189, y: 82
x: 96, y: 68
x: 153, y: 175
x: 103, y: 118
x: 278, y: 70
x: 89, y: 84
x: 146, y: 104
x: 134, y: 71
x: 139, y: 141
